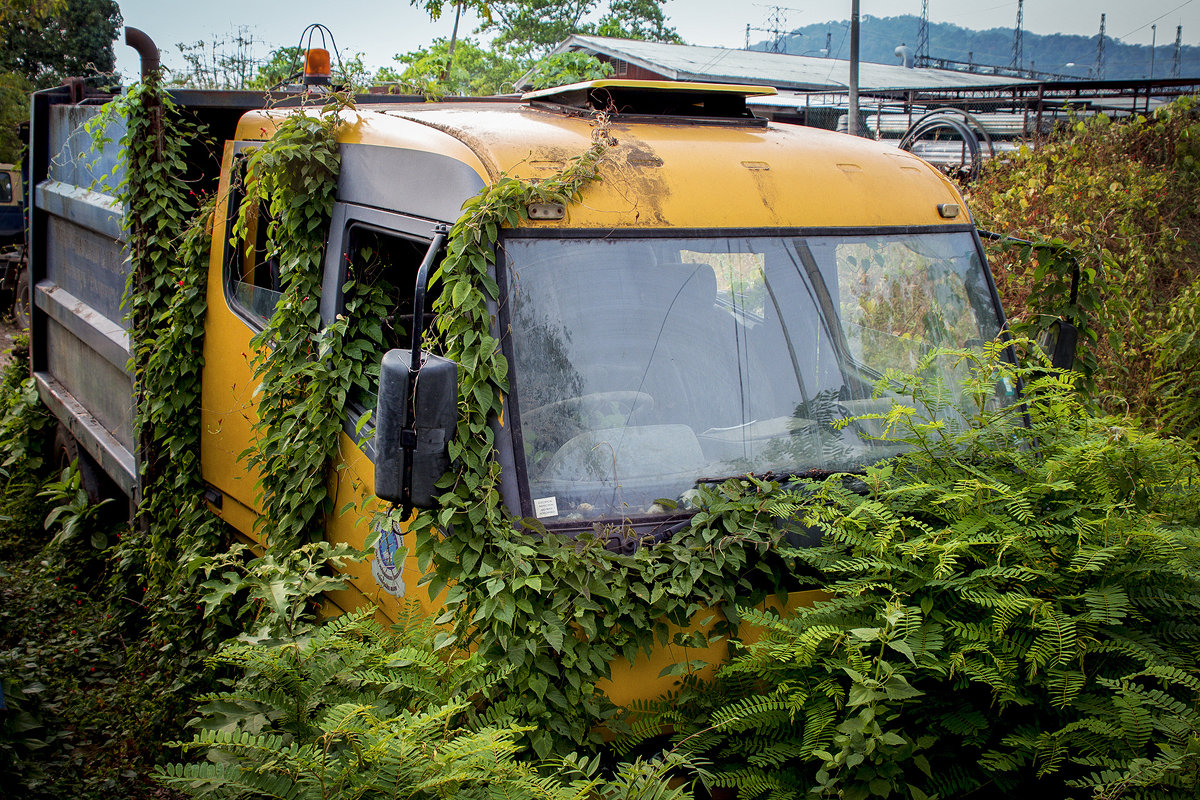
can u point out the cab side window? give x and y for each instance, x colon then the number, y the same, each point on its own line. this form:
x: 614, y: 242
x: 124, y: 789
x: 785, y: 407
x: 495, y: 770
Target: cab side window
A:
x: 378, y: 284
x: 252, y: 282
x: 6, y: 188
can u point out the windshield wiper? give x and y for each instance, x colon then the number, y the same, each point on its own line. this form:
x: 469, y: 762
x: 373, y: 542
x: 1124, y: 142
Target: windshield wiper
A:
x: 783, y: 477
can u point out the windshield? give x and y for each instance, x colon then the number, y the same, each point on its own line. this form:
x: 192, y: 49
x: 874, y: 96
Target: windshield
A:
x: 643, y: 366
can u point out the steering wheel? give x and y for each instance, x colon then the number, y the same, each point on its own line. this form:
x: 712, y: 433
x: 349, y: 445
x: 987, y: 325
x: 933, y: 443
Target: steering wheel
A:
x: 586, y: 409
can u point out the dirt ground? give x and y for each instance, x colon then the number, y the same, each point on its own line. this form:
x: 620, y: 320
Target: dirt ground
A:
x: 8, y: 330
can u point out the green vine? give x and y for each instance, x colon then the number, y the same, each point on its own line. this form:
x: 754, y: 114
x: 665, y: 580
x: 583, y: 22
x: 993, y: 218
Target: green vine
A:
x: 305, y: 368
x: 167, y: 224
x: 559, y: 611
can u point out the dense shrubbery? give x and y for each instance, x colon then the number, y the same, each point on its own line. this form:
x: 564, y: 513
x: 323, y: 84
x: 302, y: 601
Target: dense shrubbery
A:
x: 351, y: 709
x: 1126, y: 196
x: 24, y: 446
x: 1012, y: 609
x: 77, y: 704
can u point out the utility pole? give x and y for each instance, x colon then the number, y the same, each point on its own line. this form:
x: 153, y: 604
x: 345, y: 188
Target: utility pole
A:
x: 776, y: 26
x: 829, y: 44
x: 1100, y: 51
x: 1153, y: 40
x: 923, y: 35
x: 776, y: 23
x: 1178, y: 46
x: 852, y: 117
x: 1018, y: 57
x: 453, y: 38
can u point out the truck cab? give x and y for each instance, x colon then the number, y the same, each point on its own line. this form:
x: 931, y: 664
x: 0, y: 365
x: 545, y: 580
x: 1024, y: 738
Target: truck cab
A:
x: 716, y: 305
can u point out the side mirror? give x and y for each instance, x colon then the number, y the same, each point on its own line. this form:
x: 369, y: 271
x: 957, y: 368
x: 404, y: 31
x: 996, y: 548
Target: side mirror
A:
x: 1058, y: 341
x: 411, y: 448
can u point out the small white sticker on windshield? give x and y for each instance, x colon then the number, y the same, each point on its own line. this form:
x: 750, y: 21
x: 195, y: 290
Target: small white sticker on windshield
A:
x: 545, y: 507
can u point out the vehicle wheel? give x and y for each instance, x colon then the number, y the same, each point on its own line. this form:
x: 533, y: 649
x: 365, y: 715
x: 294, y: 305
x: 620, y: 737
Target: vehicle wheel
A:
x: 91, y: 479
x: 21, y: 301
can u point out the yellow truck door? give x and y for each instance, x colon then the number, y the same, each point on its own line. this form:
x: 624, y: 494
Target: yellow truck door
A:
x: 243, y: 286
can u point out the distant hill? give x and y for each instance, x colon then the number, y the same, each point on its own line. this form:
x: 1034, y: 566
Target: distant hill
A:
x: 879, y: 37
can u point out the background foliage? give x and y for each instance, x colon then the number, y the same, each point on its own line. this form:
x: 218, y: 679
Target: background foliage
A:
x: 1125, y: 197
x: 44, y: 41
x: 476, y: 69
x: 1024, y: 595
x: 520, y: 35
x: 70, y: 38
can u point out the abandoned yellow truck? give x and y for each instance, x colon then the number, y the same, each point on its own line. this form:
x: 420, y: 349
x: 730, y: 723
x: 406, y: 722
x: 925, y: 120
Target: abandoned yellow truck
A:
x: 727, y: 292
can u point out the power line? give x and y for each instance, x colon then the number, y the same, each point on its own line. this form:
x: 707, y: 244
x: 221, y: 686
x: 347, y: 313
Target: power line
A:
x: 1156, y: 19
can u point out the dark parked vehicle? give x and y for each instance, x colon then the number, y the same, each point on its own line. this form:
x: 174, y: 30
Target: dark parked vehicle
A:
x: 14, y: 275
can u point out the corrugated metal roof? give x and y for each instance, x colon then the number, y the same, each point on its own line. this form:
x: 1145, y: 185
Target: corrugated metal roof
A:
x: 721, y: 65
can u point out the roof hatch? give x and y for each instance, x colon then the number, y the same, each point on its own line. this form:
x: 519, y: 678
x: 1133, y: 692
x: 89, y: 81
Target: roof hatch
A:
x: 655, y: 100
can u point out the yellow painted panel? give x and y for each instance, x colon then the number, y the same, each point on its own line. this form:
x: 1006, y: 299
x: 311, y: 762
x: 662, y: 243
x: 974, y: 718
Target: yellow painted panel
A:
x: 643, y: 680
x: 353, y: 491
x: 241, y: 518
x: 227, y: 394
x: 662, y: 175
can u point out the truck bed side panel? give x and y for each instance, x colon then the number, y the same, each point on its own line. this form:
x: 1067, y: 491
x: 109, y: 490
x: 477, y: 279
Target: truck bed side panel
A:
x: 79, y: 269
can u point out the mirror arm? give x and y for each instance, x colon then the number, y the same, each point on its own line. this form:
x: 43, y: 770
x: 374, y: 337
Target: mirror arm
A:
x: 1067, y: 335
x: 435, y: 249
x: 1075, y: 269
x: 1074, y: 279
x: 408, y: 436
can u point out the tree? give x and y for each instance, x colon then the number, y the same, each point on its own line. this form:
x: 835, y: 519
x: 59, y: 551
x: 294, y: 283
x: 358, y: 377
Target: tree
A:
x: 534, y: 27
x: 281, y: 65
x: 539, y: 25
x: 560, y: 69
x: 26, y: 9
x: 73, y: 39
x: 435, y: 8
x: 14, y: 109
x: 637, y: 19
x: 475, y: 70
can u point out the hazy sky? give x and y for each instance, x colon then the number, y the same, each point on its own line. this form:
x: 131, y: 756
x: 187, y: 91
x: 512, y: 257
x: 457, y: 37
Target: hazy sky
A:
x: 381, y: 28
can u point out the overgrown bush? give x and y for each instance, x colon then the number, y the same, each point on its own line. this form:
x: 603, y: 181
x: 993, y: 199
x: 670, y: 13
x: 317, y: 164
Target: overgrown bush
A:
x: 1126, y: 196
x: 25, y: 425
x: 351, y: 709
x: 60, y: 662
x: 1012, y: 608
